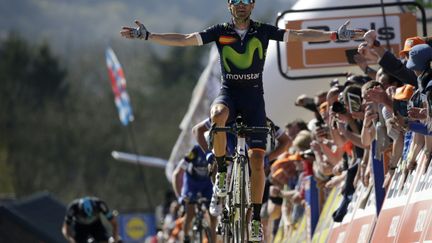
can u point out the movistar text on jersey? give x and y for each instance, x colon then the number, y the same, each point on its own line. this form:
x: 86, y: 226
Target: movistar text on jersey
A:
x: 246, y: 76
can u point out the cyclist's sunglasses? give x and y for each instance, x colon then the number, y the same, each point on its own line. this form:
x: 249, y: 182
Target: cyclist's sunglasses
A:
x: 237, y: 2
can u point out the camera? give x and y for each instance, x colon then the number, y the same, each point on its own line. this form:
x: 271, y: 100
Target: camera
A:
x: 307, y: 154
x: 339, y: 107
x: 400, y: 107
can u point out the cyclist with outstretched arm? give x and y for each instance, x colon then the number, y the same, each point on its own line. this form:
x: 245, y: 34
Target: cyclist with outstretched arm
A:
x: 242, y: 45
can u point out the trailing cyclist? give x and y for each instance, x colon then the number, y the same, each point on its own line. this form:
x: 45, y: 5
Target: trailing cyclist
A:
x: 242, y: 45
x: 191, y: 180
x: 83, y: 220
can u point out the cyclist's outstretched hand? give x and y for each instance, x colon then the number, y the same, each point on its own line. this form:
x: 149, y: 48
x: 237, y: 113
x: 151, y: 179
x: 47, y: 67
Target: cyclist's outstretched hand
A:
x: 343, y: 33
x: 139, y: 32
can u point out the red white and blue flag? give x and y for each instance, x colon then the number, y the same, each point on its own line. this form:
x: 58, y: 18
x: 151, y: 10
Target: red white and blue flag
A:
x: 118, y: 84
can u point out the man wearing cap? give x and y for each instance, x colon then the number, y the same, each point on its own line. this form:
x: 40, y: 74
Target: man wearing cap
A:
x: 387, y: 60
x: 420, y: 57
x: 419, y: 61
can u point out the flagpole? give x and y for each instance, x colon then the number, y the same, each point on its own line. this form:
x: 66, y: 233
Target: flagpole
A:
x: 122, y: 101
x: 141, y: 170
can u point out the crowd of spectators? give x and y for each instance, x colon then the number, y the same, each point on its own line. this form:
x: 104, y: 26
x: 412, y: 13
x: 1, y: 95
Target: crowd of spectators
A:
x: 387, y: 108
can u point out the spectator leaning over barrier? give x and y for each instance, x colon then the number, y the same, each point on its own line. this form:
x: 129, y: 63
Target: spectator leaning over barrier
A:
x: 362, y: 62
x: 320, y: 138
x: 401, y: 98
x: 378, y: 117
x: 420, y: 57
x: 372, y: 51
x: 335, y: 148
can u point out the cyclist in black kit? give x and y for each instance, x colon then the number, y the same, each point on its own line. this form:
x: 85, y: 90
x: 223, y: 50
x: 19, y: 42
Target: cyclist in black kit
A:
x: 242, y: 45
x: 83, y: 221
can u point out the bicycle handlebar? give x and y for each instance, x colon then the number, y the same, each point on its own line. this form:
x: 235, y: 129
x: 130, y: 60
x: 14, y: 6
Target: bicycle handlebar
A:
x: 237, y: 130
x: 240, y: 130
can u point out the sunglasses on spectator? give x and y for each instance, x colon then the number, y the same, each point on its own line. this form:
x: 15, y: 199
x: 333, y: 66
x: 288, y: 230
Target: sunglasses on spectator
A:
x: 237, y: 2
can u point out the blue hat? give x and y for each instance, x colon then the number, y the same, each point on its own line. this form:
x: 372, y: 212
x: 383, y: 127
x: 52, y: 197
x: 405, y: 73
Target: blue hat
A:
x: 419, y: 57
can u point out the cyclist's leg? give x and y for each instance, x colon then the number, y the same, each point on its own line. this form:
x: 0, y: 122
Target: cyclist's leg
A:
x: 190, y: 213
x: 220, y: 114
x: 189, y: 193
x: 256, y: 157
x: 253, y: 111
x: 255, y: 116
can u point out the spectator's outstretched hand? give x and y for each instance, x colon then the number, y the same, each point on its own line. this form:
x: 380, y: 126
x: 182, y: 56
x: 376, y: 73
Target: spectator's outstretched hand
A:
x: 370, y: 37
x: 417, y: 113
x: 367, y: 52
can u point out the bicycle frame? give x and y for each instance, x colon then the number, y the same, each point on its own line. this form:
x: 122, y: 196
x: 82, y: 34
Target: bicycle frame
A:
x: 200, y: 226
x: 238, y: 199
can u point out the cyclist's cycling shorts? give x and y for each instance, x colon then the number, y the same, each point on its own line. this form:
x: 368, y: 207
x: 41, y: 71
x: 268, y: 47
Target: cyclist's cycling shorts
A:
x: 191, y: 188
x: 249, y: 102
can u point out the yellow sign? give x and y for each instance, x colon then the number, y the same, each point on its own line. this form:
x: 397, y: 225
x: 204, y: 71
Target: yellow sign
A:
x: 136, y: 228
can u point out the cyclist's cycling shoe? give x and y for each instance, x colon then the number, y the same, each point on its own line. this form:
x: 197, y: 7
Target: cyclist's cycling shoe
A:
x: 221, y: 190
x: 255, y: 231
x: 215, y: 205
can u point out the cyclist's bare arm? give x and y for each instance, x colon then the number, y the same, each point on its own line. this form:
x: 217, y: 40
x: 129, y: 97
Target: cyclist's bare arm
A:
x: 177, y: 180
x: 67, y: 233
x: 284, y: 142
x: 167, y: 39
x: 198, y: 132
x: 310, y: 35
x: 115, y: 231
x: 175, y: 39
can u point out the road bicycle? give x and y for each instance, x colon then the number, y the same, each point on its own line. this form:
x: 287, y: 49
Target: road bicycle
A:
x: 238, y: 202
x: 200, y: 228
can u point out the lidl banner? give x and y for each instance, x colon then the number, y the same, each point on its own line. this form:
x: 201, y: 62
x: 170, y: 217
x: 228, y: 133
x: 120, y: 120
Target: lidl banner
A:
x: 135, y: 228
x: 306, y: 55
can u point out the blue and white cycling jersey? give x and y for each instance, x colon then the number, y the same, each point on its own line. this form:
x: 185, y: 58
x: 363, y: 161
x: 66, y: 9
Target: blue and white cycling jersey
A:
x: 196, y: 178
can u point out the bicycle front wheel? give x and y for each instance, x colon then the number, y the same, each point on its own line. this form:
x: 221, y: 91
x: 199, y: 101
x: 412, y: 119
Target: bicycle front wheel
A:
x: 243, y: 200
